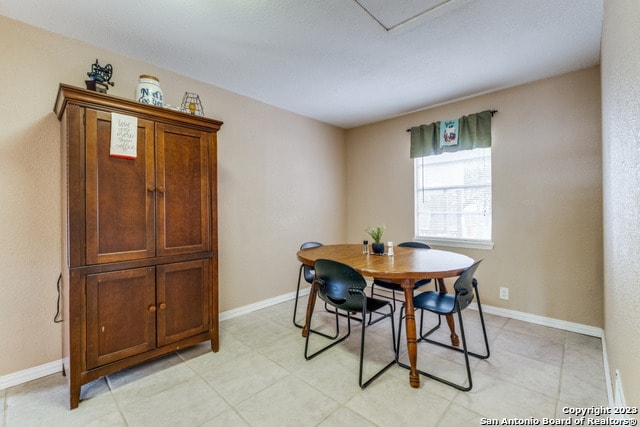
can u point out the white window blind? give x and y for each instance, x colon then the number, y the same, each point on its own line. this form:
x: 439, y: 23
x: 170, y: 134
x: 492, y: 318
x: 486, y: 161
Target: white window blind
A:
x: 453, y: 196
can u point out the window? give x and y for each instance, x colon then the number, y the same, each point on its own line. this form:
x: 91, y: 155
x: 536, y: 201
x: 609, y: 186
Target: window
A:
x: 453, y: 198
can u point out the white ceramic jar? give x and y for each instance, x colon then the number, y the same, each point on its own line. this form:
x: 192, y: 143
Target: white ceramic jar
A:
x: 149, y: 91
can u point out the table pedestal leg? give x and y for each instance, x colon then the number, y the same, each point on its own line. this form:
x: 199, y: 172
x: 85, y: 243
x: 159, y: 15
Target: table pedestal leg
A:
x: 410, y: 321
x: 455, y: 341
x: 310, y: 306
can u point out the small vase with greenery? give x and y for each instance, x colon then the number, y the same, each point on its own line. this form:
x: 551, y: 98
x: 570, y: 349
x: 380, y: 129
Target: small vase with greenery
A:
x: 376, y: 234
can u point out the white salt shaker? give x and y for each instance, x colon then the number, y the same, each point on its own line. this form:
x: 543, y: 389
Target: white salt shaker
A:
x: 390, y: 248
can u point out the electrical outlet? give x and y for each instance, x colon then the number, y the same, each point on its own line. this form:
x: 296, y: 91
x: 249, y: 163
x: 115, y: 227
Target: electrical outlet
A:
x: 504, y: 293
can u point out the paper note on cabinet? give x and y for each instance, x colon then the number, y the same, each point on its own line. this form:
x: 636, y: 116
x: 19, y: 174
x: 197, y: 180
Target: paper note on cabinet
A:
x: 124, y: 136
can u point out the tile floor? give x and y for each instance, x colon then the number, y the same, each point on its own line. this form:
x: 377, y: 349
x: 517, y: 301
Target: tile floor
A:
x: 260, y: 378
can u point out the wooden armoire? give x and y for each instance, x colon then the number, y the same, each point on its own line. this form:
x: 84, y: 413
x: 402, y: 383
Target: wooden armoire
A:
x: 140, y: 247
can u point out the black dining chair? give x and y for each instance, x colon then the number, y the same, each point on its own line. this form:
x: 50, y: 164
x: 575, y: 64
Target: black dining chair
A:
x: 395, y: 287
x: 308, y: 273
x: 342, y: 287
x: 465, y: 287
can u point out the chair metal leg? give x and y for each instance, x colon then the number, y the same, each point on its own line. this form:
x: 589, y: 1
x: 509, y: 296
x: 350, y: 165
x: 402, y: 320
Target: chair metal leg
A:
x: 393, y: 295
x: 362, y: 341
x: 362, y: 384
x: 336, y: 312
x: 424, y: 335
x: 466, y: 360
x: 484, y: 334
x: 484, y: 329
x: 373, y: 294
x: 308, y: 356
x: 400, y: 322
x: 463, y: 350
x: 295, y: 310
x: 295, y: 305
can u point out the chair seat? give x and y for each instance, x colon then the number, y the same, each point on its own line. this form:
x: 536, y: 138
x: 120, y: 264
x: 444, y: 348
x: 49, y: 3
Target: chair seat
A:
x: 373, y: 304
x: 435, y: 302
x: 396, y: 287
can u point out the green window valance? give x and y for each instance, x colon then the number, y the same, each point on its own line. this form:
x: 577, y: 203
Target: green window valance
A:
x: 474, y: 131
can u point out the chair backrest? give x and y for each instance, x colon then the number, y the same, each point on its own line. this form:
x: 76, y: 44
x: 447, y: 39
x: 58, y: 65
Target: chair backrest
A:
x: 418, y: 245
x: 308, y: 270
x: 415, y: 245
x: 464, y: 286
x: 338, y: 284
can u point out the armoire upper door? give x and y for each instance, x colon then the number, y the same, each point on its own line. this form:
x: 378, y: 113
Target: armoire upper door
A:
x: 120, y: 194
x: 183, y: 180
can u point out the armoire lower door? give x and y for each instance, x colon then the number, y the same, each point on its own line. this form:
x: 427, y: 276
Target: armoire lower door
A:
x: 121, y: 315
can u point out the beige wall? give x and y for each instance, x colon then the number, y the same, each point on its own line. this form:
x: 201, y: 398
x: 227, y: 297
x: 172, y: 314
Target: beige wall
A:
x: 621, y: 190
x: 546, y: 170
x: 265, y: 206
x: 547, y: 189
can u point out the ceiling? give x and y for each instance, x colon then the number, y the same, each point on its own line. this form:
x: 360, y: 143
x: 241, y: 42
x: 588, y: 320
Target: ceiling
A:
x: 344, y: 62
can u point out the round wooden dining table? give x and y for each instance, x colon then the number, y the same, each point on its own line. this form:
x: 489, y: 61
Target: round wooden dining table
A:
x: 405, y: 266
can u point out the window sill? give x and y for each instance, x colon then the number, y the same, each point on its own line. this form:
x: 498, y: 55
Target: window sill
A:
x: 457, y: 243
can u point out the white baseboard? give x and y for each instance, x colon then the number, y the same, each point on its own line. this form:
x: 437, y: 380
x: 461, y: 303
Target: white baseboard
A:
x: 567, y: 326
x: 30, y: 374
x: 544, y: 321
x: 607, y: 373
x: 36, y: 372
x: 261, y: 304
x: 618, y: 395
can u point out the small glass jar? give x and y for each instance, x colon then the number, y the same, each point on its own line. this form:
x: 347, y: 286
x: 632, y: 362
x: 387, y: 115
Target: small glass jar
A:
x: 148, y: 90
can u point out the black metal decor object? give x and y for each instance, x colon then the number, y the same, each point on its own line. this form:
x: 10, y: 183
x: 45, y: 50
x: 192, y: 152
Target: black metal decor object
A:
x: 99, y: 77
x: 191, y: 104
